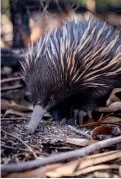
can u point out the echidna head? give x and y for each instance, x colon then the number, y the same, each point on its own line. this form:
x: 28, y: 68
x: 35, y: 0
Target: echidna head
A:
x: 47, y: 88
x: 44, y: 87
x: 49, y: 69
x: 47, y: 84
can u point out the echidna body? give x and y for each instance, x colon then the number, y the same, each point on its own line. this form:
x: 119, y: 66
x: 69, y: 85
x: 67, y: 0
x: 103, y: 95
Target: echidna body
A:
x: 75, y: 66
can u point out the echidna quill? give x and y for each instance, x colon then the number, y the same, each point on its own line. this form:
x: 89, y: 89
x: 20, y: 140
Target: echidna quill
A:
x: 75, y: 66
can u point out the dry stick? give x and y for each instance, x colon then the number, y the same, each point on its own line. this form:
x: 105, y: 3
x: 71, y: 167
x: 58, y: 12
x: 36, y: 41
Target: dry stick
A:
x: 11, y: 88
x: 79, y: 132
x: 15, y: 118
x: 28, y: 147
x: 60, y: 157
x: 15, y: 107
x: 11, y: 79
x: 99, y: 123
x: 9, y: 147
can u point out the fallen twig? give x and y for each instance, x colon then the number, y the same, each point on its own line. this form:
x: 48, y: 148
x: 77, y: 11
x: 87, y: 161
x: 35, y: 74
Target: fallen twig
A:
x: 11, y: 88
x: 10, y: 79
x: 14, y: 148
x: 95, y: 168
x: 79, y: 132
x: 15, y: 118
x: 60, y: 157
x: 27, y: 146
x: 93, y: 124
x: 15, y: 107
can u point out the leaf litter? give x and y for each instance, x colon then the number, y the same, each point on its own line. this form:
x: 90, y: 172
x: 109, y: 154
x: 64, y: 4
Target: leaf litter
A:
x: 51, y: 138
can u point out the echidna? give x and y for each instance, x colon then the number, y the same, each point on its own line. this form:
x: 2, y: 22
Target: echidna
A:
x: 75, y: 66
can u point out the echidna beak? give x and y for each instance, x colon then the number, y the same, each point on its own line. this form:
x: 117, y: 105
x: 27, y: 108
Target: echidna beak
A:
x: 37, y: 115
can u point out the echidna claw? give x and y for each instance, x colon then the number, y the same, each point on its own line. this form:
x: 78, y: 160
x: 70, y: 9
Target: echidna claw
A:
x: 81, y: 116
x: 89, y: 114
x: 63, y: 121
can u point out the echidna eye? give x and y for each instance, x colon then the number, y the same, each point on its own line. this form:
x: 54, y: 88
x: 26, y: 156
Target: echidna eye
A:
x: 51, y: 100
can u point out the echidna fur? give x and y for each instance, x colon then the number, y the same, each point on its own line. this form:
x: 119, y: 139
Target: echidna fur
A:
x: 75, y: 66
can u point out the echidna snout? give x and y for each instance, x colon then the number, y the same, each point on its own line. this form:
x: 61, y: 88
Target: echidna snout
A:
x: 37, y: 115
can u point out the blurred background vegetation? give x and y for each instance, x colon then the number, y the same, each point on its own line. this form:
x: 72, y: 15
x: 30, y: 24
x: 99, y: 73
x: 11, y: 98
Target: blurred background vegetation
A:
x: 21, y: 20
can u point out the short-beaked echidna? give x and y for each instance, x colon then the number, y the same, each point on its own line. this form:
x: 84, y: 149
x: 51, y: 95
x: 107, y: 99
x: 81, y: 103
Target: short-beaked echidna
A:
x: 73, y: 67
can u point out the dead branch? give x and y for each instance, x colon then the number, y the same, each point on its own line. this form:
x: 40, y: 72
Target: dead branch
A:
x: 60, y: 157
x: 13, y: 148
x: 79, y: 132
x: 13, y: 119
x: 15, y: 107
x: 11, y: 88
x: 10, y: 79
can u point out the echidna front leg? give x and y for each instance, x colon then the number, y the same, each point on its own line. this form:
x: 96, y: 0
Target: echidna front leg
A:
x: 86, y: 109
x: 56, y: 114
x: 61, y: 111
x: 85, y: 105
x: 82, y: 114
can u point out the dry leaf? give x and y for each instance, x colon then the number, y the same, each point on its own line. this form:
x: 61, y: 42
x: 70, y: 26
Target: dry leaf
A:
x: 85, y: 165
x: 100, y: 118
x: 101, y: 155
x: 112, y: 119
x: 99, y: 174
x: 36, y: 173
x: 77, y: 141
x: 74, y: 168
x: 101, y: 130
x: 64, y: 170
x: 14, y: 112
x: 120, y: 171
x: 114, y: 107
x: 99, y: 158
x: 95, y: 168
x: 113, y: 98
x: 92, y: 124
